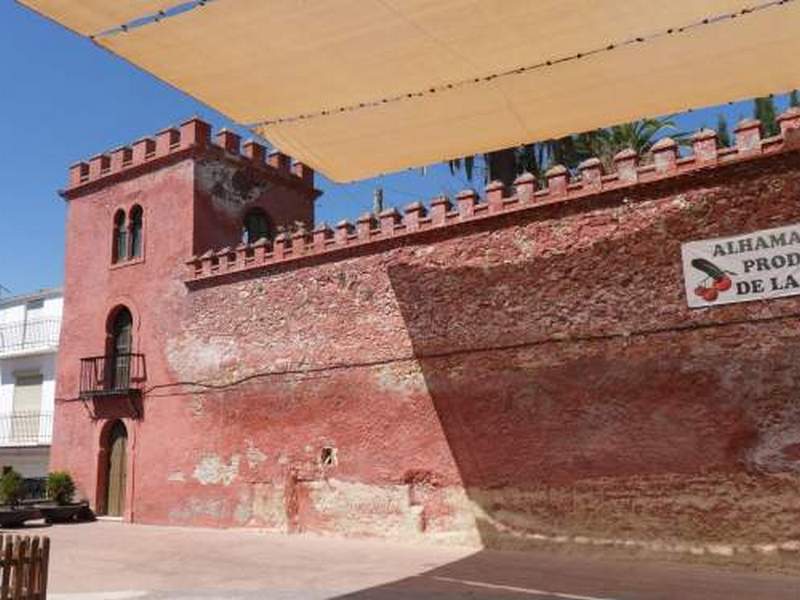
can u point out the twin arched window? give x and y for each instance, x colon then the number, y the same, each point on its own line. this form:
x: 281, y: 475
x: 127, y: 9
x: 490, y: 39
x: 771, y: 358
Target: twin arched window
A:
x: 128, y: 234
x: 256, y: 226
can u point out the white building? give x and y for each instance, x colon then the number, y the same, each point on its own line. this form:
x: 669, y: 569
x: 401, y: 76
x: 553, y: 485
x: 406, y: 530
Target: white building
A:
x: 29, y: 331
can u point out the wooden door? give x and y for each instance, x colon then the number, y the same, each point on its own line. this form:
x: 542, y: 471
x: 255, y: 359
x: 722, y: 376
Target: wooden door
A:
x: 117, y: 470
x: 121, y: 351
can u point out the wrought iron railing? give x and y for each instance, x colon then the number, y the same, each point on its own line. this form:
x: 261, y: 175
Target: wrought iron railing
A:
x: 34, y: 334
x: 26, y: 429
x: 118, y: 374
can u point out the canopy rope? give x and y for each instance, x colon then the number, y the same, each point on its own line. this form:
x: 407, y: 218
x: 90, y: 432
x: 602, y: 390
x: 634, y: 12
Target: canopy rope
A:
x: 770, y: 4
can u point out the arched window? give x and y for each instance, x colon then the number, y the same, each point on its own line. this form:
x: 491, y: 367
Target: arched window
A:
x: 120, y: 249
x: 256, y: 226
x: 136, y: 218
x: 121, y: 348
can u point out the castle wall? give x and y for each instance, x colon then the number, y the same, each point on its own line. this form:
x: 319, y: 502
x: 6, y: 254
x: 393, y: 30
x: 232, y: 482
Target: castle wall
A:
x: 532, y: 374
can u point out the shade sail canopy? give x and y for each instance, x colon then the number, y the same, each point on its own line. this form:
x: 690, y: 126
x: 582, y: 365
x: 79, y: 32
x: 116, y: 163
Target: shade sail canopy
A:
x: 91, y: 17
x: 360, y: 87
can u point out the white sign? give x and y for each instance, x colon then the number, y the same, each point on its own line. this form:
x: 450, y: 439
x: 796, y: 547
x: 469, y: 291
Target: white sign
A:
x: 755, y: 266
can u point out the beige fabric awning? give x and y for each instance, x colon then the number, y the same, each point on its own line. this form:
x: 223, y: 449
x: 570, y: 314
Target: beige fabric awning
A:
x: 360, y: 87
x: 91, y: 17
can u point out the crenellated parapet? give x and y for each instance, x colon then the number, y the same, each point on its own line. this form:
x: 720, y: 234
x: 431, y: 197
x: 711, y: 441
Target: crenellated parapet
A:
x: 192, y: 138
x: 560, y: 186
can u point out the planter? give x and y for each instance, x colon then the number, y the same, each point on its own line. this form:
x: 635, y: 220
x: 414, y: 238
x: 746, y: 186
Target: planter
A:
x: 16, y: 517
x: 65, y: 513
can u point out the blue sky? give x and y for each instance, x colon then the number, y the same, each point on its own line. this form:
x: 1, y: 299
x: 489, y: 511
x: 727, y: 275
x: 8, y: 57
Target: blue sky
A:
x: 63, y: 99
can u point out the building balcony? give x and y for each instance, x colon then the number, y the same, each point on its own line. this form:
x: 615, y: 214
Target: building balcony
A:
x: 122, y: 374
x: 29, y: 336
x: 26, y: 429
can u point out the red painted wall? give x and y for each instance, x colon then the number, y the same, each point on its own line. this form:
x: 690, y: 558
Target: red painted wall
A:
x: 225, y: 190
x: 533, y: 374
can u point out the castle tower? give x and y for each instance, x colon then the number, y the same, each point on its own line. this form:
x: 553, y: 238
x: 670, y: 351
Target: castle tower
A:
x: 134, y: 216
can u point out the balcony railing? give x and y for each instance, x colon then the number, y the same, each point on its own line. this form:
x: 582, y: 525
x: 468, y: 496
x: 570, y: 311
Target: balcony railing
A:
x: 29, y: 335
x: 105, y: 375
x: 26, y: 429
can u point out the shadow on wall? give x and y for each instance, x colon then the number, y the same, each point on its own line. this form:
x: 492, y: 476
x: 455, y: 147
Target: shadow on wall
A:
x: 492, y: 575
x: 578, y: 398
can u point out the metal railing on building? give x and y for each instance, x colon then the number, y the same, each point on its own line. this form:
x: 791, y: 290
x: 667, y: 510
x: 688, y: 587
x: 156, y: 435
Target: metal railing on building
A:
x: 105, y: 375
x: 26, y: 429
x: 29, y: 335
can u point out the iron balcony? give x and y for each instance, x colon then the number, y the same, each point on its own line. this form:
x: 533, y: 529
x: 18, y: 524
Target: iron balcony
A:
x: 32, y: 428
x: 112, y: 375
x: 29, y: 336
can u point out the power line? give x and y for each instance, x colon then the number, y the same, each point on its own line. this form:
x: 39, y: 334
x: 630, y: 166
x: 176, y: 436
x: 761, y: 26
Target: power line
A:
x: 199, y: 387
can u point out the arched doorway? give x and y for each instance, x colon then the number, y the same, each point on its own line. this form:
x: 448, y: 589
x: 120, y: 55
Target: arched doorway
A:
x: 116, y: 469
x: 121, y: 347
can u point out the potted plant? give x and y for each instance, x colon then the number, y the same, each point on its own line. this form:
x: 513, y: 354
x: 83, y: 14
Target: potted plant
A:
x: 12, y: 491
x: 60, y: 507
x: 60, y: 487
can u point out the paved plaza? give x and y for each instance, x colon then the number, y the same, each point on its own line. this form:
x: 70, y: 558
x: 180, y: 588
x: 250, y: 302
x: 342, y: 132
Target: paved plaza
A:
x: 115, y: 561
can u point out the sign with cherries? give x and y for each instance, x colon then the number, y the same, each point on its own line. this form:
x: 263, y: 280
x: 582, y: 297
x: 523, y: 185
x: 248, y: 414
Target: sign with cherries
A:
x: 755, y: 266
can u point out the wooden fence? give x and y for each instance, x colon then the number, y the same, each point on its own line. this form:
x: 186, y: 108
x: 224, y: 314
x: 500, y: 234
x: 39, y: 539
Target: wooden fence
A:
x: 24, y: 562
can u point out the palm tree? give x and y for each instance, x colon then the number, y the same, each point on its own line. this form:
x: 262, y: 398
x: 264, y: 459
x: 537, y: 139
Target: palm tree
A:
x: 638, y: 135
x: 764, y: 111
x: 505, y: 165
x: 501, y: 165
x: 723, y: 133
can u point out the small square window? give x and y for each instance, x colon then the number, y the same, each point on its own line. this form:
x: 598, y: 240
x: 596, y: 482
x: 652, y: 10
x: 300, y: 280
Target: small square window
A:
x: 327, y: 456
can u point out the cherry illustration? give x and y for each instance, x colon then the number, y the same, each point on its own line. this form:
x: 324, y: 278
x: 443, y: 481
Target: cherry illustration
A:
x: 723, y: 284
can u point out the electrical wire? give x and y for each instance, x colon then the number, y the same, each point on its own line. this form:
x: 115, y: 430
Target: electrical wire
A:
x: 211, y: 387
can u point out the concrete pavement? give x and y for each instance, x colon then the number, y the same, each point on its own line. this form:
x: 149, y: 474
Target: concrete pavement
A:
x: 115, y: 561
